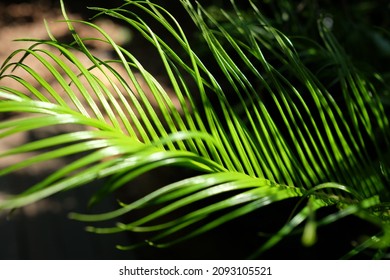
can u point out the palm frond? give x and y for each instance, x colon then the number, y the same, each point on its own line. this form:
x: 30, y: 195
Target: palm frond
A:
x: 261, y: 128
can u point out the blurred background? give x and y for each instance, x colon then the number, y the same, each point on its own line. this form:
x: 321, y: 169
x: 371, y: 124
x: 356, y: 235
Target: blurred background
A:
x: 43, y: 230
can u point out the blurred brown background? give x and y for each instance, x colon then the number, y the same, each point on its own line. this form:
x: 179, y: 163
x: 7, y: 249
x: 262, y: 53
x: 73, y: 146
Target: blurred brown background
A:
x: 42, y: 230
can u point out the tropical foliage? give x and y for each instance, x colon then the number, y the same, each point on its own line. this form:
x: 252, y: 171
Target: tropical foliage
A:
x: 262, y: 118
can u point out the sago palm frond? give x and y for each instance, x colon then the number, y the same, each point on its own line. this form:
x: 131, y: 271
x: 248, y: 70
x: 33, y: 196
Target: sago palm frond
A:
x: 257, y: 124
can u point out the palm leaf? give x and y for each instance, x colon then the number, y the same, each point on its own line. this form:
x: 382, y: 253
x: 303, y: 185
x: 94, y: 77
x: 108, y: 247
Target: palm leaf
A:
x: 260, y: 129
